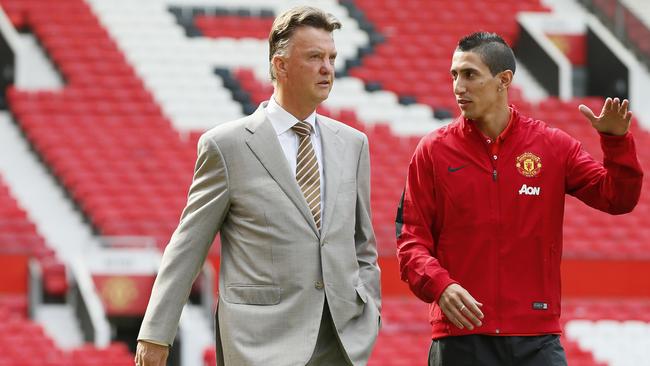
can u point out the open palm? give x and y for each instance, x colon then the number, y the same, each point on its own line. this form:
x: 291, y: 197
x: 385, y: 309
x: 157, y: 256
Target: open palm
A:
x: 614, y: 119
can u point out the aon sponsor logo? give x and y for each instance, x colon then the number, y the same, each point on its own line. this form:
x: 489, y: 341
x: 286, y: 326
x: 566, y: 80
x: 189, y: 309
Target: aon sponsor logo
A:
x: 529, y: 191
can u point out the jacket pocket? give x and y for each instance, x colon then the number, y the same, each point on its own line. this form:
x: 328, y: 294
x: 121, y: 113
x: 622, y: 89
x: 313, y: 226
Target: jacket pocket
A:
x: 363, y: 294
x: 253, y: 294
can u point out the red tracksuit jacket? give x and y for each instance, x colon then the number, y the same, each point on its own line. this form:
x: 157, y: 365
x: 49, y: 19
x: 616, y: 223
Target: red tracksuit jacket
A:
x: 493, y: 222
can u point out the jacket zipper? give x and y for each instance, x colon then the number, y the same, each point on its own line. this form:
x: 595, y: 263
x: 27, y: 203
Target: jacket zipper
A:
x: 497, y: 237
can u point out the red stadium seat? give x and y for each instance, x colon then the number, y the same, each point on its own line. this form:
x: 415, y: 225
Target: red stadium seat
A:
x: 420, y: 33
x: 19, y: 235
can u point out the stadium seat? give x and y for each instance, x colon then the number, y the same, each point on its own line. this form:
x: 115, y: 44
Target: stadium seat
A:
x: 26, y: 344
x: 19, y: 235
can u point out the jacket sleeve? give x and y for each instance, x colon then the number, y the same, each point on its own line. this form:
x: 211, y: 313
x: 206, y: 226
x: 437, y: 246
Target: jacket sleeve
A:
x: 364, y: 236
x: 207, y: 206
x: 613, y: 186
x: 414, y: 223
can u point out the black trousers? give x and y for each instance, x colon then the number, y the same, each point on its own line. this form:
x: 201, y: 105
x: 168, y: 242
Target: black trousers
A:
x: 483, y: 350
x: 329, y: 350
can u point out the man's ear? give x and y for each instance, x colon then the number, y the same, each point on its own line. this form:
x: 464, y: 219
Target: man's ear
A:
x: 279, y: 65
x: 505, y: 79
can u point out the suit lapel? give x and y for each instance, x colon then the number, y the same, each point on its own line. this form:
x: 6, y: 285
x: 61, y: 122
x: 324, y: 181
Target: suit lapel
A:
x: 264, y: 144
x: 333, y: 154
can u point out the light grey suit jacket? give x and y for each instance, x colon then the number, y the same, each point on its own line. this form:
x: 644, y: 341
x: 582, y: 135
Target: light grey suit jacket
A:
x: 276, y: 268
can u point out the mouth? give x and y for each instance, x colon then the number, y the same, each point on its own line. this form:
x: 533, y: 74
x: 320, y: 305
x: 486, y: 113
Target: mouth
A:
x: 324, y: 83
x: 462, y: 103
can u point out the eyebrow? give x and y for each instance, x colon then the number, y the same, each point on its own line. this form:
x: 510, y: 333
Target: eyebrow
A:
x: 464, y: 69
x: 320, y: 51
x: 317, y: 50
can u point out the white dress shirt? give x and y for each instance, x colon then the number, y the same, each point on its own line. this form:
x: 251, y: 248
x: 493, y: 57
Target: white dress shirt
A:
x: 282, y: 121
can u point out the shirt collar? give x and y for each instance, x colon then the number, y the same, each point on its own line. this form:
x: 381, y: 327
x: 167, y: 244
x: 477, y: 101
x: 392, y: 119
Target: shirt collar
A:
x: 282, y: 121
x: 506, y: 131
x: 467, y: 124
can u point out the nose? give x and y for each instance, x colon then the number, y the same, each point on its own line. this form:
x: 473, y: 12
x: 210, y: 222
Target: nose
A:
x: 459, y: 87
x: 327, y: 67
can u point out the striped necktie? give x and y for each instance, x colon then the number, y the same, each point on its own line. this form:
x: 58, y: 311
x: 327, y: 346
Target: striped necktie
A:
x: 307, y: 173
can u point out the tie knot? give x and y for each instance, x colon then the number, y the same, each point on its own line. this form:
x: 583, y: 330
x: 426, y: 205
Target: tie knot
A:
x: 302, y: 128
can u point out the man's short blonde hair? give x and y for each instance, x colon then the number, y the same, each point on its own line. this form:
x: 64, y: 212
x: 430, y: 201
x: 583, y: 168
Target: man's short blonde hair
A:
x: 286, y: 23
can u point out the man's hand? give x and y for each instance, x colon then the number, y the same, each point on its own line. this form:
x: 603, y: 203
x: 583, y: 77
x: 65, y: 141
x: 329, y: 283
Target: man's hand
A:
x: 150, y: 354
x: 460, y: 307
x: 614, y: 119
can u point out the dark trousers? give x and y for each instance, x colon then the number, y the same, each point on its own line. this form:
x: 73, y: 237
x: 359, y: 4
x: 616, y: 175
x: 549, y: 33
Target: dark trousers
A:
x: 483, y: 350
x: 329, y: 350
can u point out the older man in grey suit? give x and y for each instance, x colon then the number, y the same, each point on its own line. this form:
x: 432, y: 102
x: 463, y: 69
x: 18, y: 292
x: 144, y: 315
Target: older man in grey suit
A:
x: 289, y: 191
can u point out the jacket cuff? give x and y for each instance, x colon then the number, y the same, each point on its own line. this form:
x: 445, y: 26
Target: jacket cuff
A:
x: 440, y: 287
x: 615, y: 141
x: 154, y: 342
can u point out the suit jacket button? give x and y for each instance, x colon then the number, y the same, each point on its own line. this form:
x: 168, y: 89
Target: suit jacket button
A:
x: 318, y: 285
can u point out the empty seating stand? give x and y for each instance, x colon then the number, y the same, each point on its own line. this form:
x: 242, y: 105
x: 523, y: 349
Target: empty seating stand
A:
x: 234, y: 26
x: 103, y: 136
x: 420, y: 37
x: 25, y: 343
x: 18, y: 235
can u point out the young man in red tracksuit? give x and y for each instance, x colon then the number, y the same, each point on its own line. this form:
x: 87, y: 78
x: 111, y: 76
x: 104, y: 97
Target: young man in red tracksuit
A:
x: 480, y: 223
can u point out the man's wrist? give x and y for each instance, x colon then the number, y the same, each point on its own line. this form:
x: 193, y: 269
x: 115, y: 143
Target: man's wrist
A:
x: 154, y: 342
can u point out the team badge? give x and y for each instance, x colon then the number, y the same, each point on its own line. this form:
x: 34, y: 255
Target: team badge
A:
x: 529, y: 164
x: 119, y: 292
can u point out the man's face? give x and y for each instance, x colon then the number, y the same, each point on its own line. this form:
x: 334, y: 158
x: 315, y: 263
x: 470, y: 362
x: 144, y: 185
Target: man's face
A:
x: 474, y: 86
x: 310, y: 65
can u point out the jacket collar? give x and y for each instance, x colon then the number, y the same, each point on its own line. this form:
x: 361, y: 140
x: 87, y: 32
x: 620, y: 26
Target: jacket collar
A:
x: 468, y: 126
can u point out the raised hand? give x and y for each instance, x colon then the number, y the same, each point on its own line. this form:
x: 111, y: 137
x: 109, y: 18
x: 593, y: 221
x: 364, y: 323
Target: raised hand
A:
x: 614, y: 119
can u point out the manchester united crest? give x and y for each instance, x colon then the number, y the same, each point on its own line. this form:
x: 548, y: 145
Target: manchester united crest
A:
x: 119, y: 292
x: 529, y: 164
